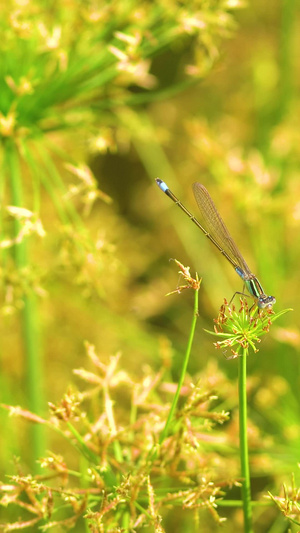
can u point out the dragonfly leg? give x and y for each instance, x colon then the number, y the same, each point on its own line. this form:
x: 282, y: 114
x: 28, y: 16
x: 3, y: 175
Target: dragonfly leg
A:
x: 241, y: 293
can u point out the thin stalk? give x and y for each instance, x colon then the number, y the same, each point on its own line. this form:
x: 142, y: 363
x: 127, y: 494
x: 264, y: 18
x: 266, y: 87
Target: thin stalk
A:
x: 29, y: 314
x: 183, y: 370
x: 244, y: 455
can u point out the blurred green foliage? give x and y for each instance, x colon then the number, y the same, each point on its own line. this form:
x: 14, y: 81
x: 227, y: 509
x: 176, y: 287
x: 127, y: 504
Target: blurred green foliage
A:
x: 95, y: 102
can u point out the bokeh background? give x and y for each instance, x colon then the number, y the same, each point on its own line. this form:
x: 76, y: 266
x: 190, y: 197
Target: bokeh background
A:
x: 220, y: 106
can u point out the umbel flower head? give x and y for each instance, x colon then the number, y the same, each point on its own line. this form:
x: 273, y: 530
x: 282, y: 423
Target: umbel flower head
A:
x: 239, y: 330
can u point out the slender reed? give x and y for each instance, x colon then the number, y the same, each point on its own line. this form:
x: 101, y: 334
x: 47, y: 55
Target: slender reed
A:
x: 244, y: 455
x: 29, y: 313
x: 184, y: 366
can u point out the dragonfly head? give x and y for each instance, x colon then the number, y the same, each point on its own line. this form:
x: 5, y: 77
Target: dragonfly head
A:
x: 266, y: 302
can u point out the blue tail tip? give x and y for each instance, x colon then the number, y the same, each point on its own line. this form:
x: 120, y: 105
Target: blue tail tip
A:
x: 162, y: 185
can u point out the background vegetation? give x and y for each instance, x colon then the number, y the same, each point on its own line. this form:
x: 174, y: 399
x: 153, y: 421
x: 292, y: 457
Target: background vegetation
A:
x: 95, y: 102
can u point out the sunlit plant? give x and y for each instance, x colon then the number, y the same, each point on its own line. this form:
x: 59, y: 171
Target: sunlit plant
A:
x: 131, y: 469
x: 66, y: 69
x: 163, y: 452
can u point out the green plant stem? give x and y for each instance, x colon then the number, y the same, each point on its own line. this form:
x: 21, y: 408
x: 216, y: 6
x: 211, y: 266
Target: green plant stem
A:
x: 29, y: 314
x: 245, y: 472
x: 183, y: 370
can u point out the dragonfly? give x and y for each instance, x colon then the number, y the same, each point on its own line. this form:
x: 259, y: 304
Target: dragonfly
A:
x: 219, y: 235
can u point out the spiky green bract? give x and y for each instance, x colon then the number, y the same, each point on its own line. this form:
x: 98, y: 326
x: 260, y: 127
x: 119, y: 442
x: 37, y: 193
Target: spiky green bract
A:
x: 243, y: 328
